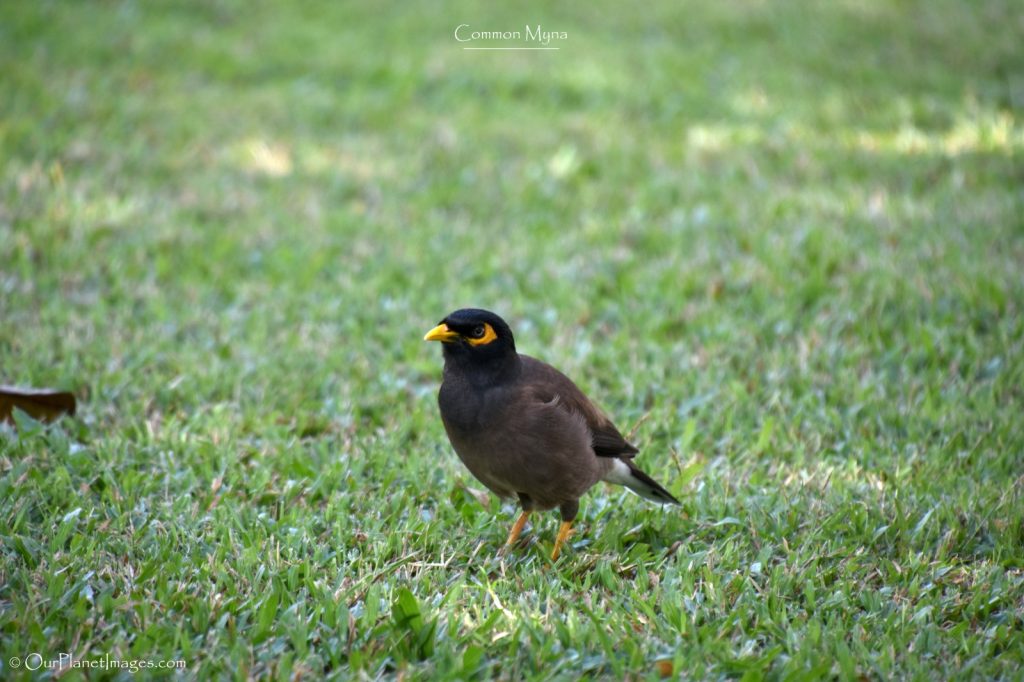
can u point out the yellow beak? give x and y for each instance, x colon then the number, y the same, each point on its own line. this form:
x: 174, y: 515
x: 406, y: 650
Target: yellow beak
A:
x: 441, y: 333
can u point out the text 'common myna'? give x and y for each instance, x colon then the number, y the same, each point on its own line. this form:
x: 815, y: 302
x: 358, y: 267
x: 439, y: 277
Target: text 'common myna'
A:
x: 525, y: 429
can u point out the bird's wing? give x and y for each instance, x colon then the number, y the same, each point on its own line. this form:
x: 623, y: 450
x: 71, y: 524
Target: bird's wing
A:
x: 547, y: 384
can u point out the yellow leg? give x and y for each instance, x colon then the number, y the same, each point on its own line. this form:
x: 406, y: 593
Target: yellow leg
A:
x: 564, y: 531
x: 517, y: 528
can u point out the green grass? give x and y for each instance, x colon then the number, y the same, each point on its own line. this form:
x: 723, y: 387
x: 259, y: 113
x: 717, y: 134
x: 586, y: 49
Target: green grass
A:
x: 786, y: 239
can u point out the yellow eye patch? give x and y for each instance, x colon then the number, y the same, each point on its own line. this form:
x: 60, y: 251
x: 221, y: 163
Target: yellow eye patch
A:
x: 488, y: 336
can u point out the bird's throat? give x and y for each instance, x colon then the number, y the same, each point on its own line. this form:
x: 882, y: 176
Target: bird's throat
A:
x: 480, y: 372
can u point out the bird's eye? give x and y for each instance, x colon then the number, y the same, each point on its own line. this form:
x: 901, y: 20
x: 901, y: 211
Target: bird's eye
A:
x: 478, y: 331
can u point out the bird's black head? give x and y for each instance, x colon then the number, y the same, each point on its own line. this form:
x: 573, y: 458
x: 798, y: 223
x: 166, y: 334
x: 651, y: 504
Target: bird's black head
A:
x: 474, y: 335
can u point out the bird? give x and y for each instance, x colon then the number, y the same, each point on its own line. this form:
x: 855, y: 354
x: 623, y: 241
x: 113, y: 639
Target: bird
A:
x: 524, y: 429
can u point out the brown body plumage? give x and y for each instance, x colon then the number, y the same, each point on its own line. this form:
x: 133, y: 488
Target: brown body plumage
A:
x: 523, y: 428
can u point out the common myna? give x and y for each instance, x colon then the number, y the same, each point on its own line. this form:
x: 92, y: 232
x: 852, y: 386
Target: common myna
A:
x: 523, y: 428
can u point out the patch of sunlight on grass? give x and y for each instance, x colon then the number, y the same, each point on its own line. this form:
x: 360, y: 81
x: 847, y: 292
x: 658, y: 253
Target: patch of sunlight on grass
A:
x: 357, y: 161
x: 992, y: 133
x: 279, y: 159
x: 264, y: 157
x: 721, y: 137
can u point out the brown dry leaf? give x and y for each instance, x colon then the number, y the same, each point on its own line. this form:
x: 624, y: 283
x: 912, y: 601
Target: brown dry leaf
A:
x: 481, y: 496
x: 664, y: 667
x: 39, y: 403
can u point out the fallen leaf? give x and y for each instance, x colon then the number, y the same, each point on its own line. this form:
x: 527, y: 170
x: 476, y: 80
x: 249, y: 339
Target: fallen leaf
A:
x: 42, y: 404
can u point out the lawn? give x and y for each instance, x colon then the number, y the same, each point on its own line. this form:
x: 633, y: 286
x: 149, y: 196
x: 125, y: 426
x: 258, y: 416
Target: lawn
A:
x: 781, y: 243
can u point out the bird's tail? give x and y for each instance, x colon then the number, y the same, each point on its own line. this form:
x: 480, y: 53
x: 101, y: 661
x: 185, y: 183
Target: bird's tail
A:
x: 624, y: 472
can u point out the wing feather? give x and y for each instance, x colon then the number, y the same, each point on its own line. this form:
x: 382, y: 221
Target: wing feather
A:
x: 549, y: 385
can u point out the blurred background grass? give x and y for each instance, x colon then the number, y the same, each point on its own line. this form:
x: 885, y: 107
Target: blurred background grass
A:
x: 790, y: 233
